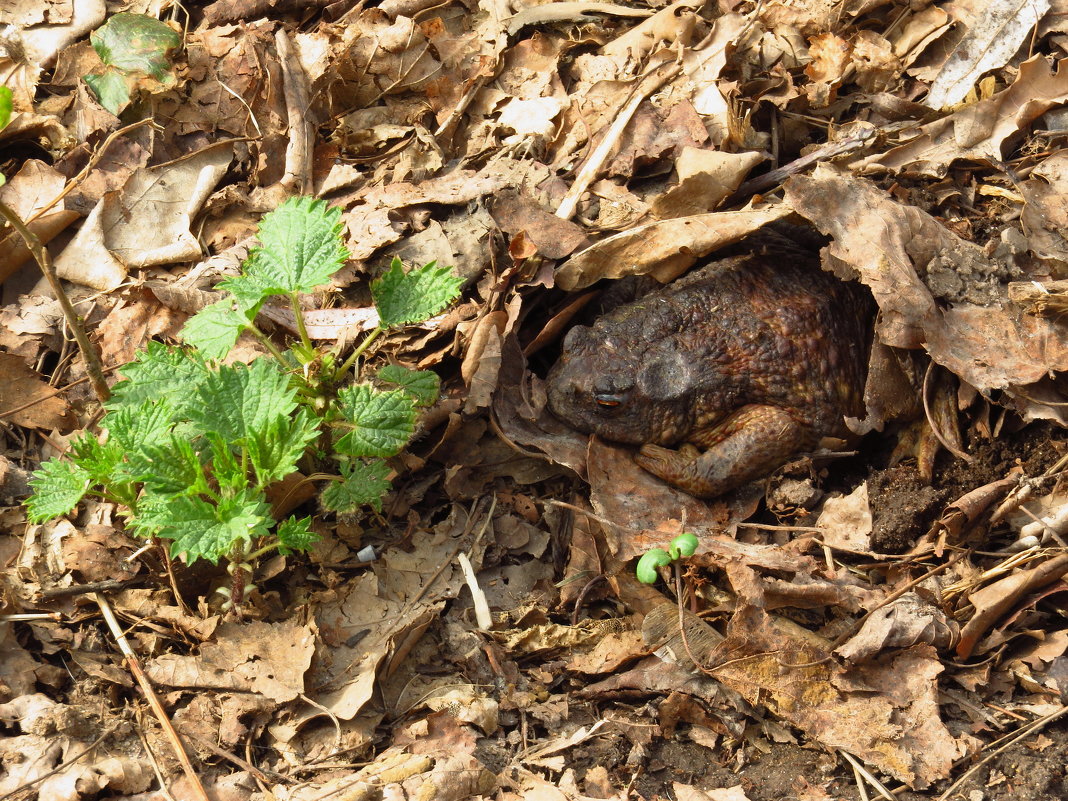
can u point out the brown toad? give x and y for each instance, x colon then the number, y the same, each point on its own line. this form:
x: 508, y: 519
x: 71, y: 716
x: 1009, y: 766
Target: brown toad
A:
x: 751, y: 360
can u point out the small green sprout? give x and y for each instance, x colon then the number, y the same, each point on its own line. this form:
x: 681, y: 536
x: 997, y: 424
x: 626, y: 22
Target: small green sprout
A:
x: 681, y: 547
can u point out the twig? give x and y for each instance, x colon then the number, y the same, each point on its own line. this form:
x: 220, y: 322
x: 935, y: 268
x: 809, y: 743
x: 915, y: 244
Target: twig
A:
x: 762, y: 183
x: 842, y: 639
x: 95, y: 586
x: 53, y: 392
x: 861, y: 787
x: 62, y: 766
x: 591, y: 515
x: 92, y: 359
x: 1014, y: 738
x: 863, y: 771
x: 93, y: 161
x: 150, y: 695
x: 649, y: 83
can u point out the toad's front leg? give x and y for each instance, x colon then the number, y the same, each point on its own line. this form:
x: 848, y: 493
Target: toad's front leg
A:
x: 744, y: 446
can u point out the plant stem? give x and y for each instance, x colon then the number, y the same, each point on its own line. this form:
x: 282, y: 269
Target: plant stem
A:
x: 266, y: 549
x: 266, y: 342
x: 356, y: 354
x: 93, y: 366
x: 302, y: 329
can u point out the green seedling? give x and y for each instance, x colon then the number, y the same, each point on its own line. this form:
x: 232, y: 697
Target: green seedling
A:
x: 190, y: 445
x: 682, y: 546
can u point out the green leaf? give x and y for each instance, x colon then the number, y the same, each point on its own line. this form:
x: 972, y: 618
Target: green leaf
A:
x: 382, y: 422
x: 202, y: 529
x: 403, y: 298
x: 275, y: 449
x: 6, y: 105
x: 295, y: 535
x: 136, y: 43
x: 422, y: 385
x: 112, y: 88
x: 134, y: 426
x: 58, y: 486
x: 240, y: 400
x: 160, y: 372
x: 301, y: 247
x: 227, y: 464
x: 98, y: 459
x: 214, y: 329
x: 248, y: 291
x: 362, y: 484
x: 683, y: 546
x: 168, y: 468
x: 646, y: 569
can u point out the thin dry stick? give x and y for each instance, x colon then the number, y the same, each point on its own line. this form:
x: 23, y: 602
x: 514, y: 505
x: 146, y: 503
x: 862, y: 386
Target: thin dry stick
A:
x: 62, y: 766
x: 650, y: 82
x: 863, y: 771
x: 1014, y: 738
x: 591, y: 515
x: 92, y: 359
x: 52, y: 392
x: 841, y: 640
x: 861, y: 787
x: 93, y: 161
x: 150, y: 695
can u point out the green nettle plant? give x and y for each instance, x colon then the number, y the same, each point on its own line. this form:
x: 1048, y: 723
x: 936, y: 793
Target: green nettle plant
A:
x: 190, y: 445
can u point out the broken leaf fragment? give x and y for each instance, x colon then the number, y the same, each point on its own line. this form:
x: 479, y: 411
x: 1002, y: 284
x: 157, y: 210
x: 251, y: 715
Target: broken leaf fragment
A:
x: 6, y: 102
x: 136, y: 52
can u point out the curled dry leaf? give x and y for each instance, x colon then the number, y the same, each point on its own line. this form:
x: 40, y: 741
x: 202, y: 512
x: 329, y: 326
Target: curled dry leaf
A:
x: 993, y: 37
x: 979, y: 131
x: 890, y: 245
x: 901, y: 624
x: 147, y: 222
x: 993, y: 601
x: 663, y: 249
x: 26, y: 390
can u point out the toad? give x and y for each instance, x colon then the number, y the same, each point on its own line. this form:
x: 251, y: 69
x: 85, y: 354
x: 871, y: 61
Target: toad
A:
x: 724, y: 375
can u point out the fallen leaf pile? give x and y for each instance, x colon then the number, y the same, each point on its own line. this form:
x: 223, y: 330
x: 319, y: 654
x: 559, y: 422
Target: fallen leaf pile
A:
x: 898, y: 612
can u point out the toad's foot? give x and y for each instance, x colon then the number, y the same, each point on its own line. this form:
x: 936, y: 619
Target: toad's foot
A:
x: 746, y: 445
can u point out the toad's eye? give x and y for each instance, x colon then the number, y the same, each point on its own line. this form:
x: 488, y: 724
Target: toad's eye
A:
x: 607, y: 400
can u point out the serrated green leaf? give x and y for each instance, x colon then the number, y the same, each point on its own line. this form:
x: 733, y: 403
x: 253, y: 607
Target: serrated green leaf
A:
x: 275, y: 449
x: 112, y: 89
x: 98, y: 459
x: 237, y: 401
x: 227, y: 467
x: 148, y: 422
x: 6, y: 105
x: 160, y: 372
x: 300, y: 247
x: 404, y: 298
x: 422, y: 385
x: 199, y: 529
x: 381, y: 422
x: 136, y: 43
x: 170, y: 467
x: 57, y: 486
x: 295, y: 535
x: 248, y: 292
x: 214, y: 329
x: 362, y: 484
